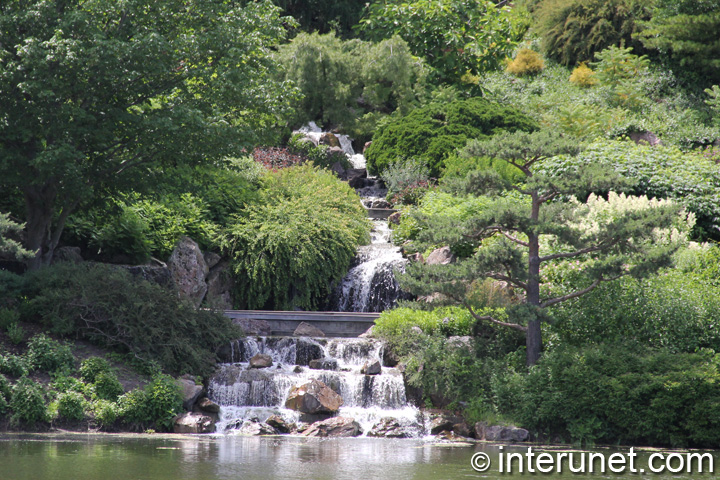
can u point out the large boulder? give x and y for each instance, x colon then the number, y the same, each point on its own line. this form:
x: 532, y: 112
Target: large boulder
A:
x: 314, y: 397
x: 388, y: 427
x: 255, y: 428
x: 306, y: 350
x: 189, y: 270
x: 440, y: 256
x: 261, y: 360
x: 307, y: 330
x: 152, y: 273
x: 279, y: 424
x: 189, y: 390
x: 329, y: 139
x: 194, y: 423
x: 220, y: 286
x: 252, y: 326
x: 334, y: 427
x: 323, y: 364
x: 371, y: 368
x: 443, y: 422
x: 500, y: 433
x: 207, y: 405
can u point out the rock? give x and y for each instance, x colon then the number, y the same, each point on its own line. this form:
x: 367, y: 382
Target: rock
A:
x: 329, y: 139
x: 261, y: 360
x: 309, y: 141
x: 189, y: 270
x: 395, y: 218
x: 499, y: 433
x: 366, y: 146
x: 314, y: 397
x: 450, y: 436
x: 461, y: 342
x: 336, y: 152
x: 417, y: 330
x: 368, y: 333
x: 647, y: 138
x: 388, y: 427
x: 298, y: 369
x: 211, y: 259
x: 338, y: 169
x: 151, y: 273
x: 255, y: 428
x: 307, y: 330
x: 462, y: 429
x: 190, y: 391
x: 252, y: 326
x: 279, y: 424
x: 443, y: 422
x: 390, y: 359
x: 356, y: 177
x: 193, y: 423
x: 207, y: 405
x: 323, y: 364
x: 371, y: 368
x: 67, y: 254
x: 416, y: 257
x: 220, y: 286
x: 380, y: 204
x: 440, y: 256
x: 307, y: 349
x: 334, y: 427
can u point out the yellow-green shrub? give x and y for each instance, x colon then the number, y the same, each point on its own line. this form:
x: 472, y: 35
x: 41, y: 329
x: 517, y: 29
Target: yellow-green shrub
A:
x: 526, y: 62
x: 583, y: 76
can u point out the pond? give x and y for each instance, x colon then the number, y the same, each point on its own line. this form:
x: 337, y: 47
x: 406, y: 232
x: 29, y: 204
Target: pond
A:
x: 159, y: 457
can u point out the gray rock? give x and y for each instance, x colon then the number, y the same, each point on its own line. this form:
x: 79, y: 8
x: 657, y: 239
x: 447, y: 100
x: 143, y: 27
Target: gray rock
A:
x: 338, y: 169
x: 336, y: 152
x: 220, y: 286
x: 461, y: 342
x: 189, y: 270
x: 251, y: 326
x: 371, y: 368
x: 309, y: 141
x: 368, y: 333
x: 329, y: 139
x: 307, y: 330
x: 500, y: 433
x: 314, y: 397
x: 647, y: 138
x: 261, y: 361
x: 442, y: 423
x: 279, y: 424
x: 417, y: 330
x: 356, y: 177
x: 380, y: 204
x: 194, y: 423
x: 334, y: 427
x: 255, y: 428
x: 152, y: 273
x: 190, y: 391
x: 211, y: 259
x: 389, y: 428
x: 207, y: 405
x: 323, y: 364
x: 67, y: 254
x: 462, y: 429
x: 395, y: 218
x: 440, y: 256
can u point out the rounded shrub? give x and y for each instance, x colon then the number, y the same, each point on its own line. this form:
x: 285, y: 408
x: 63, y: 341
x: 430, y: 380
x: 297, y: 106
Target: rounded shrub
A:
x: 105, y: 412
x: 132, y: 408
x: 583, y: 76
x: 27, y: 403
x: 14, y: 365
x: 163, y: 401
x: 92, y: 366
x: 48, y: 355
x: 71, y: 406
x: 526, y: 62
x: 107, y: 386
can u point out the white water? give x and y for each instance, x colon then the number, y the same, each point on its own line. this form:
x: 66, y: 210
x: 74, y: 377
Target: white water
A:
x: 245, y: 394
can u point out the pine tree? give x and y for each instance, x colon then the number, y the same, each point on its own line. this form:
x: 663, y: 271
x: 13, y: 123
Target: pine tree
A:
x: 535, y: 222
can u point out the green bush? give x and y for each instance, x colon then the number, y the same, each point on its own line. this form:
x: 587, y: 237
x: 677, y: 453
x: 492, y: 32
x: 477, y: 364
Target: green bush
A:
x: 16, y: 333
x: 91, y: 367
x: 111, y: 308
x: 48, y: 355
x: 71, y: 406
x: 105, y: 412
x: 132, y: 409
x: 107, y: 386
x: 617, y: 394
x: 5, y: 394
x: 319, y: 156
x: 301, y: 239
x: 446, y: 321
x: 63, y: 384
x: 28, y: 403
x: 155, y: 406
x: 8, y: 317
x: 429, y: 134
x: 14, y: 365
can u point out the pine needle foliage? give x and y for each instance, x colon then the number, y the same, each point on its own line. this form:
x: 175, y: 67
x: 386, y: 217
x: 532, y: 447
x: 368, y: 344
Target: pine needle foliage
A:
x: 300, y: 239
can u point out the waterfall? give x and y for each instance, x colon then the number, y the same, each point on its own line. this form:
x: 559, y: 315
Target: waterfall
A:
x: 246, y: 394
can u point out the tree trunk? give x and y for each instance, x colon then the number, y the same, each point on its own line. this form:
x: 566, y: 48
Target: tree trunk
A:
x: 533, y: 336
x: 40, y: 203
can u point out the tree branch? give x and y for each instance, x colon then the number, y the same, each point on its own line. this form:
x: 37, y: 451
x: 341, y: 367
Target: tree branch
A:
x: 506, y: 278
x: 577, y: 253
x: 489, y: 318
x: 579, y: 293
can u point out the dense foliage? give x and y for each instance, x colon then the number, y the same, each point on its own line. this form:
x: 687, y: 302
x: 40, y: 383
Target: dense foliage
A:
x: 430, y: 133
x: 297, y: 241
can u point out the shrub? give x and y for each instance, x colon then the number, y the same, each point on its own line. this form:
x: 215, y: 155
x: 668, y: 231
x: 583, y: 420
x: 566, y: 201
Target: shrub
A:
x: 15, y: 333
x: 48, y: 355
x: 107, y: 386
x: 111, y: 308
x: 5, y: 394
x: 163, y: 401
x: 406, y: 182
x: 71, y: 406
x: 91, y: 367
x: 301, y: 239
x: 14, y: 365
x: 445, y: 321
x: 105, y: 412
x: 429, y: 134
x: 8, y: 317
x: 621, y: 394
x: 132, y: 408
x: 27, y: 403
x: 583, y: 76
x: 526, y: 62
x: 64, y: 384
x: 319, y: 155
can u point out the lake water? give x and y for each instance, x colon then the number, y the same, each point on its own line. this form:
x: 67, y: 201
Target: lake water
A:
x: 159, y: 457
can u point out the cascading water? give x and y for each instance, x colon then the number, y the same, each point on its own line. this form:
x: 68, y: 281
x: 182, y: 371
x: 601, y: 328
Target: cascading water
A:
x: 251, y: 394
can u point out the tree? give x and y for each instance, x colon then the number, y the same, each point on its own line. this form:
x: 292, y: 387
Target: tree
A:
x: 527, y: 225
x: 94, y: 92
x: 8, y: 246
x: 455, y: 36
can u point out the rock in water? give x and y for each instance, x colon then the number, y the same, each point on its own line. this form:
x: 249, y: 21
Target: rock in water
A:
x: 194, y: 423
x: 387, y: 427
x: 279, y: 424
x: 307, y: 330
x: 188, y: 270
x: 323, y: 364
x: 261, y: 361
x: 499, y: 433
x: 207, y: 405
x: 190, y: 391
x: 314, y: 397
x: 371, y: 368
x: 334, y: 427
x: 254, y: 428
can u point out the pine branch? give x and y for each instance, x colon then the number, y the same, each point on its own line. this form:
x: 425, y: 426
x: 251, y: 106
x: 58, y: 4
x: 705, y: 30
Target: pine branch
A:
x: 490, y: 318
x: 579, y: 293
x: 577, y: 253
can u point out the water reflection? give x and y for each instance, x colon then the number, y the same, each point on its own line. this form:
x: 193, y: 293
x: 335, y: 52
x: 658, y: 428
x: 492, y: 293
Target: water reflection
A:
x: 158, y: 457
